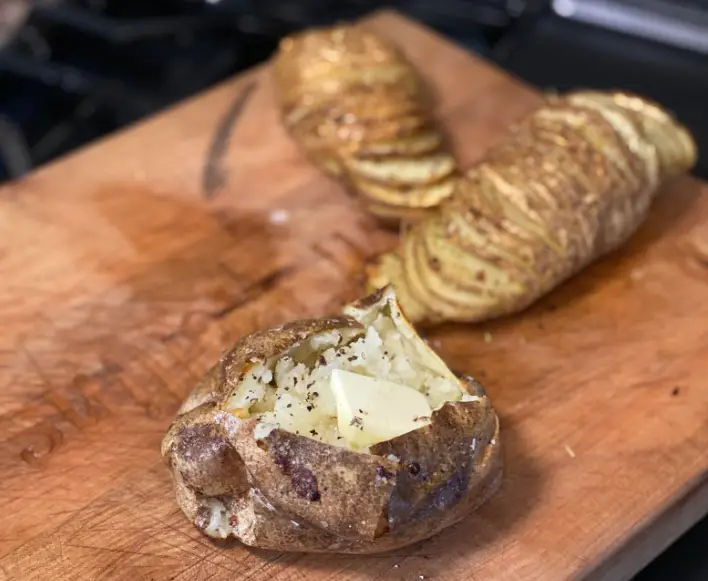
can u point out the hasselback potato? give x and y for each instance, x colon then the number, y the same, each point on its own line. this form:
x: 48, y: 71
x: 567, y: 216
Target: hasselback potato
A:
x: 363, y: 114
x: 570, y: 183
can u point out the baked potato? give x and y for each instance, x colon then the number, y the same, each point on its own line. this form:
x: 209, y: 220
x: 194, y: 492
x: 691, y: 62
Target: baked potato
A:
x: 344, y: 434
x: 362, y: 113
x: 571, y: 183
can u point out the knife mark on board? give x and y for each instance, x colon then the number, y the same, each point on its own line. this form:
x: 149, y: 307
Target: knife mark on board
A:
x: 213, y: 175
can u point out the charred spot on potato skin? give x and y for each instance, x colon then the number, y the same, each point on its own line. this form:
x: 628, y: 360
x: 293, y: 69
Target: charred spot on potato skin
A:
x: 200, y: 440
x: 202, y: 518
x: 381, y: 472
x: 283, y: 463
x: 305, y: 483
x: 371, y: 300
x: 303, y: 480
x: 414, y: 468
x: 451, y: 492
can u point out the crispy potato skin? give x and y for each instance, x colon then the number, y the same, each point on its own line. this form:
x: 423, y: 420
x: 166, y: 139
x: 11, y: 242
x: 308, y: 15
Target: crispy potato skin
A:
x: 290, y: 493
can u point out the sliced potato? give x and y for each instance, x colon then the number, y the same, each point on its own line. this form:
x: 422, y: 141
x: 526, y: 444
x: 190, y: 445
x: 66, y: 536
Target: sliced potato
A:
x: 571, y: 183
x: 425, y: 169
x: 349, y: 95
x: 427, y: 196
x: 424, y: 141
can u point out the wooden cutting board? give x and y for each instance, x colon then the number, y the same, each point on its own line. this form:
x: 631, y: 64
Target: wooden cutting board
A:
x: 125, y: 270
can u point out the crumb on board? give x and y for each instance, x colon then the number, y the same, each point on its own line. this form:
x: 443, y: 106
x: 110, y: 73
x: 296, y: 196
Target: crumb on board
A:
x: 570, y: 451
x: 279, y: 216
x: 487, y: 337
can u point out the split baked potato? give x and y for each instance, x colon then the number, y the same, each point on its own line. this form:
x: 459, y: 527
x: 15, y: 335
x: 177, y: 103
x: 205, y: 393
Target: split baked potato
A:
x: 571, y: 183
x: 363, y: 114
x: 344, y: 434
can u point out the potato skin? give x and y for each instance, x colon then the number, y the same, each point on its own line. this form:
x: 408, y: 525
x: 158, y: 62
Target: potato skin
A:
x: 287, y: 492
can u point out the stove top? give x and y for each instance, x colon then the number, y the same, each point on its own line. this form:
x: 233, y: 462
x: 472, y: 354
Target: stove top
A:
x: 74, y: 70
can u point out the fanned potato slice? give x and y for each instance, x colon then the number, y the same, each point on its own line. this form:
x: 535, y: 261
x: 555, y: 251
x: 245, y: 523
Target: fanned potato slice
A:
x: 421, y: 170
x: 418, y: 143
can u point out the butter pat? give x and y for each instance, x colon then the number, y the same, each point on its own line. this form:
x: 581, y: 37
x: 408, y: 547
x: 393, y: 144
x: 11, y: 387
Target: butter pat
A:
x: 372, y: 410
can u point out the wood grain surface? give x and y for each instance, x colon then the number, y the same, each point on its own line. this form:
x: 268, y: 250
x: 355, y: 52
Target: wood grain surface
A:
x: 126, y: 268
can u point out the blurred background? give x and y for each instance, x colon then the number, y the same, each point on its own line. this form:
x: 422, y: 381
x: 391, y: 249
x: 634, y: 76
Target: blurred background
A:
x: 74, y: 70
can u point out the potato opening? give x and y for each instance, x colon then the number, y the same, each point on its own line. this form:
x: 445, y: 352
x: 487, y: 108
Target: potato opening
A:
x: 349, y: 387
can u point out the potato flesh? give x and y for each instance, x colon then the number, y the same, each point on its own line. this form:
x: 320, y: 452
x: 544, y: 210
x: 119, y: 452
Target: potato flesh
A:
x: 293, y: 391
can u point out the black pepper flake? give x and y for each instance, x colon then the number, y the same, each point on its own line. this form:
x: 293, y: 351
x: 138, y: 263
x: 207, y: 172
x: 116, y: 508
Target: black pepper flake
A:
x: 310, y: 408
x: 352, y: 358
x: 322, y: 360
x: 385, y: 352
x: 309, y: 385
x: 313, y: 432
x: 286, y: 388
x: 315, y: 394
x: 294, y: 380
x: 356, y: 421
x: 289, y: 405
x: 421, y: 418
x: 414, y: 468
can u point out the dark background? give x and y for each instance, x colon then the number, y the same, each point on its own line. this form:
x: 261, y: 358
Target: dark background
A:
x: 74, y: 70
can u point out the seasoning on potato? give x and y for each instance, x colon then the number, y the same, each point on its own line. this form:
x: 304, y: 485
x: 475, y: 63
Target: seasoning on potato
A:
x: 344, y: 434
x: 362, y: 113
x: 571, y: 183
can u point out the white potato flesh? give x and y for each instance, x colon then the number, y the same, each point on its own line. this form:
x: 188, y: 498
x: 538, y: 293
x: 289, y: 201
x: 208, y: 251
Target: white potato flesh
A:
x: 371, y: 410
x: 294, y: 391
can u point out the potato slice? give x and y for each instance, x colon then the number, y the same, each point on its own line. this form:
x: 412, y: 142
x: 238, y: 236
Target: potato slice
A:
x: 417, y: 197
x: 420, y: 170
x: 423, y: 142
